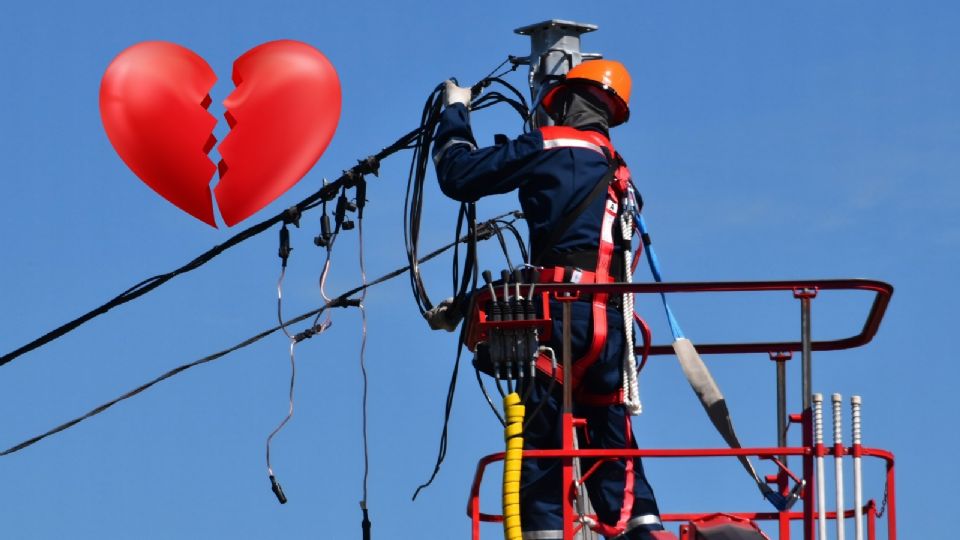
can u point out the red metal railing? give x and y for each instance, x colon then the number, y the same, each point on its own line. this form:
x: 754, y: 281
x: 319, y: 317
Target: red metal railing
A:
x: 869, y: 510
x: 805, y: 290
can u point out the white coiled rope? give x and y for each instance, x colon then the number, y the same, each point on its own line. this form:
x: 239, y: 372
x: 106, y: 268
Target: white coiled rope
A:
x: 631, y: 388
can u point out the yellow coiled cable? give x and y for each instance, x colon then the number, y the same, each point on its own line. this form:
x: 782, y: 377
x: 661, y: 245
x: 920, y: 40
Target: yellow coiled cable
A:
x: 513, y: 435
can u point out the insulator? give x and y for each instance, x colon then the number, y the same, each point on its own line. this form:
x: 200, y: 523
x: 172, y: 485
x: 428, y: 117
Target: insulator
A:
x: 818, y: 418
x: 855, y: 418
x: 837, y: 419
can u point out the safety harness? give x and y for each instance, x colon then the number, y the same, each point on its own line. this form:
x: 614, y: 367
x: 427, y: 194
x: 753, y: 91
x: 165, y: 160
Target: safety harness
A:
x: 619, y: 208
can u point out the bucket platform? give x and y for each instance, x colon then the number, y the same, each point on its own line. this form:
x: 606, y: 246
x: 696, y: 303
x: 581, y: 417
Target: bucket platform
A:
x: 860, y: 520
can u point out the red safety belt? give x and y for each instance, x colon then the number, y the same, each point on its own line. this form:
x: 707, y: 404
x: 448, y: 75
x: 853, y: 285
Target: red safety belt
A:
x: 566, y: 137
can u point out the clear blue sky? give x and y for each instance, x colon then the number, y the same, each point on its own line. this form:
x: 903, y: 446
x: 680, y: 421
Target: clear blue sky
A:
x: 810, y: 140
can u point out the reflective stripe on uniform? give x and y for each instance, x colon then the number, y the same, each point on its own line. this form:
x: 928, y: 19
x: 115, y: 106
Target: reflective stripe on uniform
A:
x: 646, y: 519
x: 543, y: 535
x: 438, y: 154
x: 567, y: 143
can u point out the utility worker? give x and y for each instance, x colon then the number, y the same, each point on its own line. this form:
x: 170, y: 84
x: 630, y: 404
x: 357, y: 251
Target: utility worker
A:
x: 558, y: 172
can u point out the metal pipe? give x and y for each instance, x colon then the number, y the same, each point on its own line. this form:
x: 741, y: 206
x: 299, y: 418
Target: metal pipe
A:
x: 554, y: 50
x: 838, y: 459
x: 781, y: 403
x: 821, y: 491
x: 806, y: 347
x: 807, y: 350
x: 857, y: 471
x: 783, y: 480
x: 567, y: 423
x: 567, y: 359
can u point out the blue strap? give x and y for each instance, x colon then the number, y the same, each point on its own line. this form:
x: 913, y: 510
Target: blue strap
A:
x: 657, y: 276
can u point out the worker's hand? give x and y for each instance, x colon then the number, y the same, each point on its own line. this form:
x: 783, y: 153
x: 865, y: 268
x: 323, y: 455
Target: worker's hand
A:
x: 456, y: 94
x: 444, y: 316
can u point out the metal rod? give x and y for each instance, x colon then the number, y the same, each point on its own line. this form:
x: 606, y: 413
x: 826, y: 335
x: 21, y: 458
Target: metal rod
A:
x: 782, y: 404
x: 821, y: 491
x: 838, y: 459
x: 806, y: 351
x: 857, y: 470
x: 567, y: 360
x: 567, y: 476
x: 807, y: 421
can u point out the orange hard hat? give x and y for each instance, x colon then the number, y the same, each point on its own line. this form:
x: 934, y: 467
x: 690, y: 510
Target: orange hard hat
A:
x: 608, y: 75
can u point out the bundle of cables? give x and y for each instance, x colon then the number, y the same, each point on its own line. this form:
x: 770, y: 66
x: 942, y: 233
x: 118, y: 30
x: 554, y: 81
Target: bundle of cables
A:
x: 463, y: 281
x: 465, y: 275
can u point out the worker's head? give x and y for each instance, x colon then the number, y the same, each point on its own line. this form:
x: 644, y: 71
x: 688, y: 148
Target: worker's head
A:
x: 605, y: 83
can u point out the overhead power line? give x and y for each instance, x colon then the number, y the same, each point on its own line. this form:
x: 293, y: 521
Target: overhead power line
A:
x: 348, y: 179
x: 417, y: 139
x: 484, y: 231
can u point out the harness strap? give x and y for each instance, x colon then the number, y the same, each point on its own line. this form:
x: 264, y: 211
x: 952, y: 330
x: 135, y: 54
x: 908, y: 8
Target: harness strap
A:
x: 544, y: 247
x: 556, y: 137
x: 705, y: 387
x: 544, y: 364
x: 617, y: 181
x: 599, y: 300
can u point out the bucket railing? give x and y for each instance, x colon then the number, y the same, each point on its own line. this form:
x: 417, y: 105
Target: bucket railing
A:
x: 809, y: 451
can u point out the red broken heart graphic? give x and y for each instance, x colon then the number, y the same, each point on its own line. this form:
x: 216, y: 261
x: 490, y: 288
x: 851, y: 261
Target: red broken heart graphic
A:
x: 283, y: 113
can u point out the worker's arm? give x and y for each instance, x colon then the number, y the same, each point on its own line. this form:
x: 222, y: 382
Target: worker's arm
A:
x: 466, y: 172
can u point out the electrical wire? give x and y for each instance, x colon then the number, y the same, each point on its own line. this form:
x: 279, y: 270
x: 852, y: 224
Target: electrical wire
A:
x: 414, y: 198
x: 293, y: 378
x: 447, y: 409
x: 413, y: 207
x: 245, y: 343
x: 293, y: 366
x: 370, y: 165
x: 363, y: 363
x: 521, y: 245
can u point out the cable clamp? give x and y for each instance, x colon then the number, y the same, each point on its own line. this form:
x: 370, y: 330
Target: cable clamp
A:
x: 312, y: 331
x: 345, y: 302
x: 344, y: 205
x: 780, y: 356
x: 486, y: 230
x: 801, y: 293
x: 370, y: 165
x: 291, y: 216
x: 285, y: 249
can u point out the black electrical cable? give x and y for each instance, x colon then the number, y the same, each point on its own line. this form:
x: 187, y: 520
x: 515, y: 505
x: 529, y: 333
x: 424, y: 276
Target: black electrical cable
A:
x: 521, y: 245
x: 503, y: 247
x: 413, y: 202
x: 349, y: 178
x: 413, y: 207
x: 339, y: 300
x: 463, y: 284
x: 486, y: 396
x: 448, y: 407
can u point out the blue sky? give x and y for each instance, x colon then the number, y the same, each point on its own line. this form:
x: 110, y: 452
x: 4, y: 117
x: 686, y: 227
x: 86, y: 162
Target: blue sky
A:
x: 812, y: 140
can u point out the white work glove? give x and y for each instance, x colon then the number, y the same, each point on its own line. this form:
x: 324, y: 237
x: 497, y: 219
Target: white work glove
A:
x: 456, y: 94
x: 443, y: 316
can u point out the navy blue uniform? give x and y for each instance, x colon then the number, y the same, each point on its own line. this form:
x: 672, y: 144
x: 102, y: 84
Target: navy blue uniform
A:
x: 551, y: 182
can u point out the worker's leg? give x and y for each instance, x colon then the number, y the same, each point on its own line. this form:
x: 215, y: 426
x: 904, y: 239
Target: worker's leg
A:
x: 619, y: 489
x: 541, y: 510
